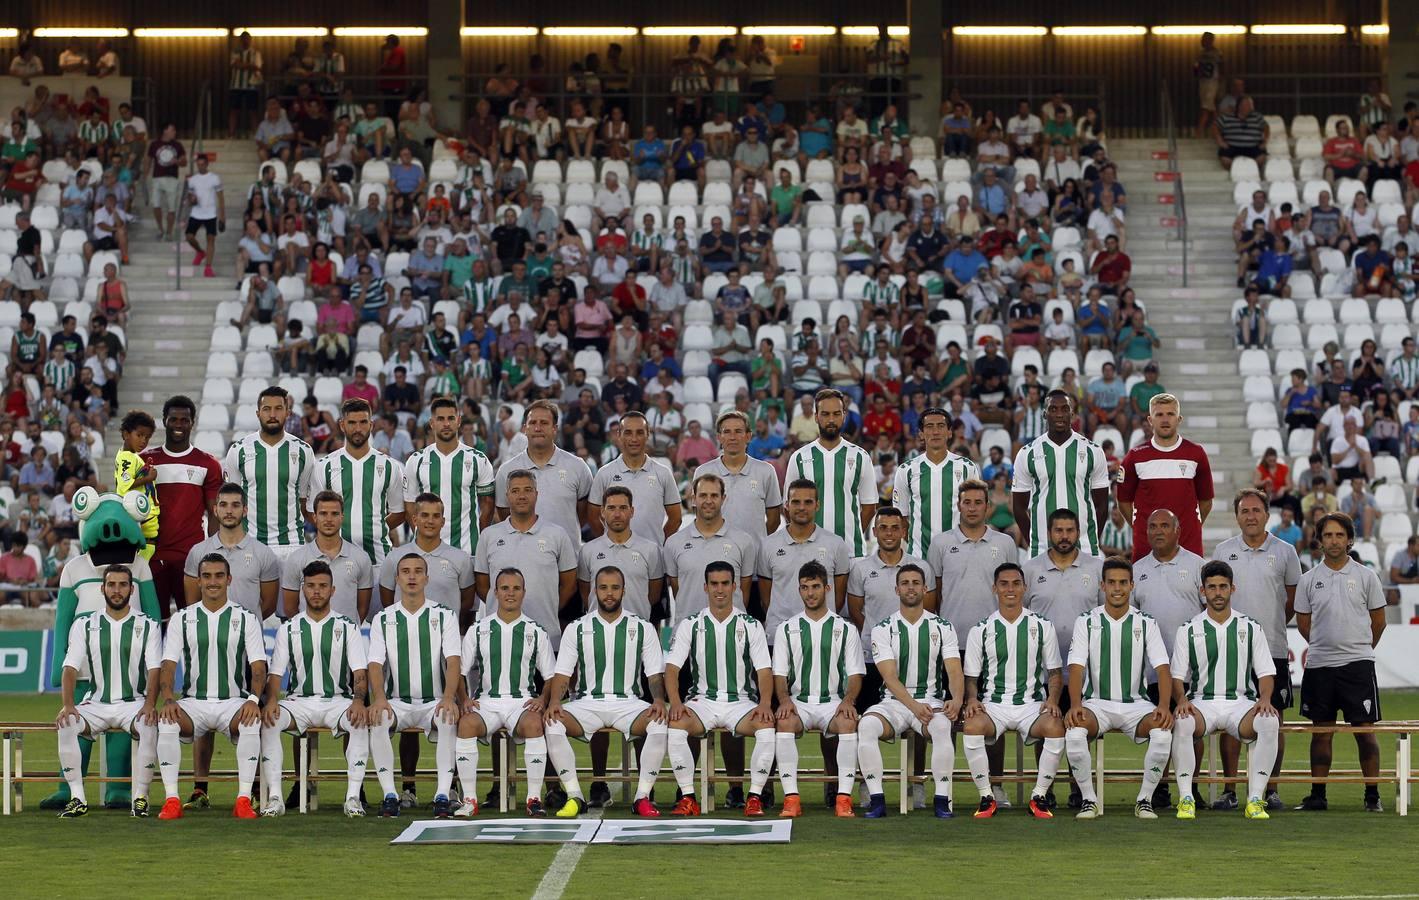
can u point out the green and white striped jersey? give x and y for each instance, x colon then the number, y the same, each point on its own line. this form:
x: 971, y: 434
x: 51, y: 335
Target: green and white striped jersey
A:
x: 215, y: 650
x: 723, y: 656
x: 609, y: 657
x: 845, y: 482
x: 322, y: 657
x: 1405, y: 371
x: 1011, y: 661
x: 879, y: 294
x: 1061, y: 476
x: 413, y: 648
x: 818, y: 657
x: 500, y: 658
x: 480, y: 296
x: 1117, y: 654
x: 1221, y: 660
x: 274, y: 479
x: 114, y: 655
x: 460, y: 478
x: 373, y: 487
x: 925, y: 492
x: 920, y: 650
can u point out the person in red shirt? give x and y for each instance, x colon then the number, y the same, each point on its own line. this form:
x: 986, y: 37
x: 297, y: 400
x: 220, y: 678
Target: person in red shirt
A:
x: 1344, y: 155
x: 1112, y: 267
x: 630, y: 299
x: 881, y: 419
x: 188, y: 482
x: 1168, y: 472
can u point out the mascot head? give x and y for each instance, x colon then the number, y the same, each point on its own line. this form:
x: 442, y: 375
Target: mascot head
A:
x: 110, y: 526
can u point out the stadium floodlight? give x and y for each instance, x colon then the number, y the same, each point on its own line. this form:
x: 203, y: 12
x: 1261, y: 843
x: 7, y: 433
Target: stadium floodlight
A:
x: 498, y: 31
x: 1378, y: 30
x: 381, y: 31
x: 80, y: 32
x: 1298, y: 29
x: 688, y: 30
x: 180, y: 32
x: 999, y: 31
x: 1170, y: 30
x: 791, y: 30
x: 591, y: 31
x: 294, y: 31
x: 9, y: 32
x: 1098, y: 31
x: 871, y: 30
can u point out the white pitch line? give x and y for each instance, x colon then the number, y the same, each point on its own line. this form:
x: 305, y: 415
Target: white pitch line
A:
x: 559, y: 872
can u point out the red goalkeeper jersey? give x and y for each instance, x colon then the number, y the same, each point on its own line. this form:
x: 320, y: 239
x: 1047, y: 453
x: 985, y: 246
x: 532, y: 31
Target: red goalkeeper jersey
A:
x: 187, y: 487
x: 1177, y: 478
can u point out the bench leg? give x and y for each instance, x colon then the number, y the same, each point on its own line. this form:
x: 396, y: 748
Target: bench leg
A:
x: 1402, y: 765
x: 303, y: 770
x: 504, y: 778
x: 1099, y: 772
x: 627, y: 748
x: 707, y: 773
x: 9, y: 783
x: 1212, y: 766
x: 1019, y: 768
x: 906, y: 755
x: 19, y: 772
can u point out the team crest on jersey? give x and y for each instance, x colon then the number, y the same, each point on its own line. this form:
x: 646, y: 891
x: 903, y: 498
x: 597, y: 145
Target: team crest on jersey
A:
x: 1084, y: 579
x: 728, y: 547
x: 1182, y: 573
x: 562, y: 474
x: 541, y: 545
x: 1350, y: 585
x: 754, y: 484
x: 445, y: 568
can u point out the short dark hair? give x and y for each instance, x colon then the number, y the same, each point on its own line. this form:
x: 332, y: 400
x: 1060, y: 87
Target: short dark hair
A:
x: 274, y: 390
x: 1340, y: 519
x: 1215, y: 568
x: 510, y: 570
x: 910, y: 567
x: 718, y: 565
x: 118, y: 569
x: 441, y: 402
x: 889, y: 512
x: 1006, y: 567
x: 428, y: 497
x: 231, y: 487
x: 1244, y: 493
x: 327, y: 497
x: 1063, y: 512
x: 829, y: 394
x: 618, y: 490
x: 215, y: 559
x: 604, y: 569
x: 522, y: 473
x: 806, y: 484
x: 1116, y: 562
x: 179, y: 401
x: 356, y: 405
x: 813, y: 571
x: 413, y: 554
x: 317, y: 567
x: 137, y: 418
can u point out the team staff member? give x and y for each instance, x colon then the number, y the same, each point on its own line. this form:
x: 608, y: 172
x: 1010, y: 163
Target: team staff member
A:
x: 787, y: 550
x: 752, y: 499
x: 655, y: 496
x: 1340, y: 611
x: 350, y: 567
x: 1169, y: 472
x: 534, y: 544
x: 563, y: 479
x: 450, y: 569
x: 187, y: 483
x: 256, y: 573
x: 705, y: 539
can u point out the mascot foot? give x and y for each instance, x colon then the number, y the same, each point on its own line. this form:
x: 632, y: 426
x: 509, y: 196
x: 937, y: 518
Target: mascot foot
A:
x: 56, y: 800
x: 118, y: 797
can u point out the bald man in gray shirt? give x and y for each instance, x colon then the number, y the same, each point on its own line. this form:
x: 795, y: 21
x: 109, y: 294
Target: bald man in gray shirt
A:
x: 1167, y: 583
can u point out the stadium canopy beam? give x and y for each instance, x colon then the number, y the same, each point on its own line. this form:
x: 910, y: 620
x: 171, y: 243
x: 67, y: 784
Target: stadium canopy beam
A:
x: 925, y: 18
x: 445, y: 55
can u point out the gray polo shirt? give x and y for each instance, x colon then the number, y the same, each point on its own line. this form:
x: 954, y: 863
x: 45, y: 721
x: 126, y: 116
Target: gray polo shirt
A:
x: 1262, y: 576
x: 875, y: 582
x: 252, y: 563
x: 638, y: 559
x: 780, y: 558
x: 561, y: 483
x: 541, y: 553
x: 748, y: 494
x: 652, y: 489
x: 350, y: 568
x: 687, y: 552
x: 1339, y: 604
x: 1170, y: 592
x: 450, y: 572
x: 1062, y: 595
x: 965, y: 574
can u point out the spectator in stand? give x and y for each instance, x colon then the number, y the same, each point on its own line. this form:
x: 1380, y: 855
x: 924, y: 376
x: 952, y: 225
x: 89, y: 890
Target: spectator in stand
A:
x: 1105, y: 402
x: 956, y: 131
x: 1242, y: 133
x: 1344, y: 156
x: 1251, y: 319
x: 1301, y: 404
x: 1112, y: 267
x: 1362, y: 509
x: 1373, y: 273
x: 993, y: 154
x: 1382, y: 427
x: 1404, y: 371
x: 1350, y: 454
x: 1107, y: 221
x: 1382, y: 156
x: 1404, y: 568
x: 1273, y: 477
x: 1287, y: 530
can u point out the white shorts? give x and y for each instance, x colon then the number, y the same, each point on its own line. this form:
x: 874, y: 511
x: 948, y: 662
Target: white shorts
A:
x: 816, y: 716
x: 317, y: 712
x: 719, y: 713
x: 899, y: 717
x: 164, y: 194
x: 1124, y: 717
x: 101, y: 717
x: 1224, y: 715
x: 501, y: 713
x: 211, y: 715
x: 1011, y: 717
x: 594, y: 715
x: 416, y: 715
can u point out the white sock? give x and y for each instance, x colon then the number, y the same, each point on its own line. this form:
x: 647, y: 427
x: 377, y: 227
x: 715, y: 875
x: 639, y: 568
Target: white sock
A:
x: 847, y: 762
x: 145, y: 760
x: 979, y: 762
x: 271, y: 755
x: 1184, y: 756
x: 382, y: 753
x: 466, y: 761
x: 1049, y: 764
x: 1261, y: 755
x: 248, y: 750
x: 559, y: 751
x: 534, y: 763
x: 169, y: 756
x: 445, y: 748
x: 761, y: 761
x: 943, y: 754
x: 357, y: 754
x: 869, y: 753
x: 71, y: 761
x: 652, y: 757
x: 786, y: 752
x: 1076, y: 746
x: 682, y: 762
x: 1155, y: 761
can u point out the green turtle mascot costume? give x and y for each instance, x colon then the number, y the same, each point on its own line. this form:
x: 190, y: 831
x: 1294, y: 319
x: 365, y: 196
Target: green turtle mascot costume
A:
x: 110, y: 532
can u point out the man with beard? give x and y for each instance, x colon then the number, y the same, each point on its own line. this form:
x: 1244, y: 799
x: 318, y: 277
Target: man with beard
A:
x: 371, y: 483
x: 452, y: 470
x: 187, y: 483
x: 273, y: 468
x: 926, y: 487
x: 842, y: 470
x: 1168, y: 472
x: 1060, y: 469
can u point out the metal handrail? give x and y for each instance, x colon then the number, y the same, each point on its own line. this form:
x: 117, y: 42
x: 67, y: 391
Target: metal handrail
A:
x: 1179, y: 199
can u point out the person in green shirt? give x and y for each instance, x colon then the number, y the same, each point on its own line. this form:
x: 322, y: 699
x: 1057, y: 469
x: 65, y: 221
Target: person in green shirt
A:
x: 539, y: 264
x: 766, y: 370
x: 1143, y: 392
x: 1136, y: 342
x: 18, y: 146
x: 955, y: 372
x: 786, y: 199
x: 1059, y: 130
x: 458, y: 268
x: 516, y: 374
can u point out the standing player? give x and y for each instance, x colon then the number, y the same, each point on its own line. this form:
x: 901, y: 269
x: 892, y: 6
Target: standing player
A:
x: 752, y: 499
x: 118, y: 652
x: 187, y: 485
x: 1009, y: 656
x: 1060, y: 468
x: 1223, y: 656
x: 919, y: 659
x: 841, y: 469
x: 207, y: 211
x: 608, y: 650
x: 926, y: 488
x: 563, y: 479
x: 224, y: 664
x: 1113, y: 648
x: 1266, y: 571
x: 256, y: 573
x: 731, y: 681
x: 273, y: 468
x: 1340, y: 611
x: 371, y: 483
x: 705, y: 539
x: 783, y: 553
x: 818, y: 667
x: 414, y: 670
x: 503, y: 654
x: 652, y: 485
x: 1169, y: 472
x: 455, y: 472
x: 325, y: 655
x: 353, y: 576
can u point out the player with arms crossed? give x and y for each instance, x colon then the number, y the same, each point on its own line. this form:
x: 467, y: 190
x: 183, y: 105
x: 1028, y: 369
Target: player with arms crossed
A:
x: 118, y: 652
x: 1224, y: 657
x: 1113, y: 647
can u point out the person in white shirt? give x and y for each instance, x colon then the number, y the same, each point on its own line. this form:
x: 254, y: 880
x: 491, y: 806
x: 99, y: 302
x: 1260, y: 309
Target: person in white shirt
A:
x: 208, y: 212
x: 1105, y: 222
x: 1025, y: 129
x: 612, y: 200
x: 1030, y: 200
x: 1060, y: 167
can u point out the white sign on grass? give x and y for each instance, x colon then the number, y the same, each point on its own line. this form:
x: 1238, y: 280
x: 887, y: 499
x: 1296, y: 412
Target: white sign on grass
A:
x: 694, y: 831
x: 596, y: 831
x: 498, y: 831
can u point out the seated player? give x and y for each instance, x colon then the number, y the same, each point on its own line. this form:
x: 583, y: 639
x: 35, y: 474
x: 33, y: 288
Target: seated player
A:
x: 503, y: 653
x: 414, y: 670
x: 915, y: 689
x: 119, y: 653
x: 818, y: 672
x: 325, y: 655
x: 730, y: 685
x: 608, y: 650
x: 130, y: 473
x: 1006, y: 656
x: 1225, y: 659
x: 1113, y: 647
x: 224, y: 660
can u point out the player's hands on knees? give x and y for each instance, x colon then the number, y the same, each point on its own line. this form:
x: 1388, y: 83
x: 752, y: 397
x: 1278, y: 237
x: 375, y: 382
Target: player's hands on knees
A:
x: 534, y: 705
x: 271, y: 715
x: 250, y: 713
x: 846, y: 711
x: 381, y: 713
x: 1184, y: 709
x: 1263, y: 707
x: 763, y: 714
x: 657, y: 711
x: 1050, y: 709
x: 1162, y: 718
x: 471, y: 705
x: 786, y: 710
x: 973, y: 708
x: 169, y: 713
x: 952, y: 710
x: 67, y: 714
x: 148, y: 715
x: 358, y: 715
x: 1076, y: 718
x: 553, y: 712
x: 922, y: 712
x: 446, y: 711
x: 678, y: 712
